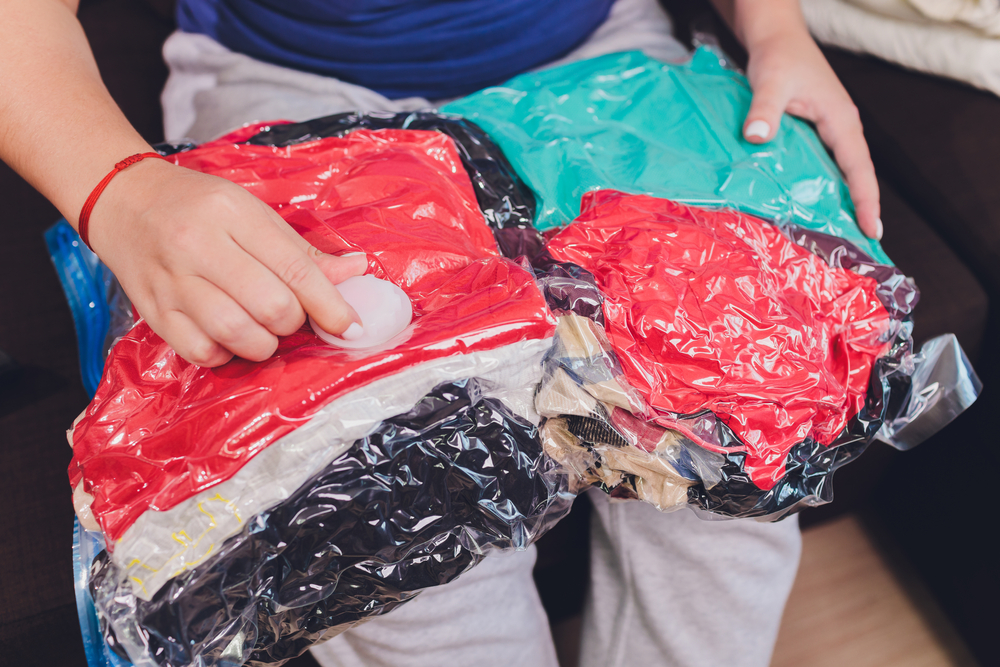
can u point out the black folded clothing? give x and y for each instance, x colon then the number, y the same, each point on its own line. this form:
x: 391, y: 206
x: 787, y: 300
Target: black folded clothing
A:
x: 415, y: 504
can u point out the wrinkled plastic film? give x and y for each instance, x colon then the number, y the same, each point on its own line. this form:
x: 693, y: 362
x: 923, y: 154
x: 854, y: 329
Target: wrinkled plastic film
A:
x: 942, y: 384
x: 413, y: 505
x: 624, y: 387
x: 148, y: 554
x: 781, y: 370
x: 505, y: 201
x: 400, y: 196
x: 628, y: 122
x: 259, y: 438
x: 102, y: 312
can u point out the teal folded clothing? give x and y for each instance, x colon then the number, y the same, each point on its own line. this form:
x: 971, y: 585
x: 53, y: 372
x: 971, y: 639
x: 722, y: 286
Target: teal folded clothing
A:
x: 631, y: 123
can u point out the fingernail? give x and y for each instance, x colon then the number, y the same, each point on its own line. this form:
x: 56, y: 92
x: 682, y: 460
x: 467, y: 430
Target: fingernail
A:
x: 758, y: 128
x: 353, y: 332
x: 878, y: 229
x: 353, y: 254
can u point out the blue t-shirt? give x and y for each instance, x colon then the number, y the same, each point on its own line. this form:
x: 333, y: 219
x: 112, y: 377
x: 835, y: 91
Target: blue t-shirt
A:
x: 400, y: 48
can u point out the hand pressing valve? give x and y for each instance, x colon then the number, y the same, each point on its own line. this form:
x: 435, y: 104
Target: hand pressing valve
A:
x: 212, y: 269
x: 788, y: 72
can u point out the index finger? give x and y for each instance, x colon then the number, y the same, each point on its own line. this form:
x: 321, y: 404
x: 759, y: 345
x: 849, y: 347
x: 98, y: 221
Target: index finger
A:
x: 840, y: 128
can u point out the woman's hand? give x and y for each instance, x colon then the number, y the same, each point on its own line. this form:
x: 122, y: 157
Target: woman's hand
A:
x: 214, y: 270
x: 788, y: 72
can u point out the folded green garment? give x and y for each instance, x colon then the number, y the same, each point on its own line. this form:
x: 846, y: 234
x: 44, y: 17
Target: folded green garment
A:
x: 627, y: 122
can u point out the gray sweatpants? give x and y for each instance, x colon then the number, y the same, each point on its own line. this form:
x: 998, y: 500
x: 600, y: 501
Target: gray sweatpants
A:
x: 665, y: 589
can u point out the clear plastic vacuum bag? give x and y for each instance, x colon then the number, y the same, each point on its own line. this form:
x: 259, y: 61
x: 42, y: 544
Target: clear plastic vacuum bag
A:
x: 102, y: 312
x: 711, y: 358
x: 627, y: 122
x: 413, y: 505
x: 737, y: 386
x: 180, y: 466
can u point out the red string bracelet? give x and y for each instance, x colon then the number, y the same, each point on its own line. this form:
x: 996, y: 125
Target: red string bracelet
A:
x: 84, y: 224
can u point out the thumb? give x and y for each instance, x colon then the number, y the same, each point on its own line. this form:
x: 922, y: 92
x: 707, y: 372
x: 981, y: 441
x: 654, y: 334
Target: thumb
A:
x: 766, y: 107
x: 338, y: 268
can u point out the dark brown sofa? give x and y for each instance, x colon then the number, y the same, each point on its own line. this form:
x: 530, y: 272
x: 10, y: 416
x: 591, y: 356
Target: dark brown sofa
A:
x: 937, y: 149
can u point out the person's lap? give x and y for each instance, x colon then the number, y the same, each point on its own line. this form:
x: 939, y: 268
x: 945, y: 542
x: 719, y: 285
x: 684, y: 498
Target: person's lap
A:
x: 664, y: 589
x: 491, y: 615
x: 677, y: 589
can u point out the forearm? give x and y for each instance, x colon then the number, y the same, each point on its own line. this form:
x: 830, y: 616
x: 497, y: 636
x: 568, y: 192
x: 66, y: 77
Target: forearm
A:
x: 757, y: 21
x: 59, y: 127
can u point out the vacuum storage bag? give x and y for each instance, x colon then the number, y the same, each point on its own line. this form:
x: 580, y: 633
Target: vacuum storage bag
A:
x: 711, y: 358
x: 702, y: 324
x: 427, y: 440
x: 728, y: 337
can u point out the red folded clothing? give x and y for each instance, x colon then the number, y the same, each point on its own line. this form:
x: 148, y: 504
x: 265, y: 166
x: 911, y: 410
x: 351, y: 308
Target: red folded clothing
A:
x: 717, y: 310
x: 161, y: 430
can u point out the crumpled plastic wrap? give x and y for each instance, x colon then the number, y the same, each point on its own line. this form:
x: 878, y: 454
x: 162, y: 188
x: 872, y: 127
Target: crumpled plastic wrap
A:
x: 939, y: 383
x: 180, y: 466
x: 414, y: 504
x: 703, y: 356
x: 102, y: 312
x: 402, y: 197
x: 631, y: 123
x: 160, y: 544
x: 711, y: 358
x: 506, y: 202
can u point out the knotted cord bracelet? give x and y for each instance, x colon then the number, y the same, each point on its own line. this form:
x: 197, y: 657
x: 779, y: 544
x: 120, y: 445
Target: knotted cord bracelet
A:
x: 83, y: 226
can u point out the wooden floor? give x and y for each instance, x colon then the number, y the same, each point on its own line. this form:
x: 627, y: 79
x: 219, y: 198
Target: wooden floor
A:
x: 848, y: 609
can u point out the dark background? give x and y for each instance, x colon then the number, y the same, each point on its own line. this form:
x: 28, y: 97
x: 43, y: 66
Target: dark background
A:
x: 936, y: 146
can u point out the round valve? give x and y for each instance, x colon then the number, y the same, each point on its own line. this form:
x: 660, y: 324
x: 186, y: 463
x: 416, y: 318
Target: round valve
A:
x: 384, y: 309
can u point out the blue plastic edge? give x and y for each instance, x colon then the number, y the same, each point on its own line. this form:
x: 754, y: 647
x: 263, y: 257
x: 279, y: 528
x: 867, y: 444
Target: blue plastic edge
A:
x: 83, y: 279
x: 85, y: 546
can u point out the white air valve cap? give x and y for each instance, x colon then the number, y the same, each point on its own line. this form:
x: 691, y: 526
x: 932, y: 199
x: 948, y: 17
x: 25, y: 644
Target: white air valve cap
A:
x: 384, y: 309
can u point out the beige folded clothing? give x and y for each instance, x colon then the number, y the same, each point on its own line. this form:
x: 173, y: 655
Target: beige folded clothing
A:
x: 653, y: 479
x: 944, y: 49
x: 981, y: 15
